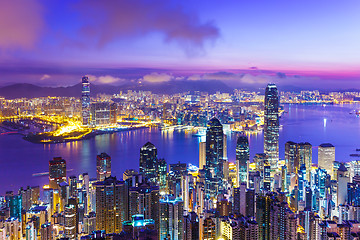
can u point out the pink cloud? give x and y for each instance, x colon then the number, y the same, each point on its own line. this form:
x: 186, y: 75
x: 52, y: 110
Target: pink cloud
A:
x: 109, y: 20
x: 21, y: 23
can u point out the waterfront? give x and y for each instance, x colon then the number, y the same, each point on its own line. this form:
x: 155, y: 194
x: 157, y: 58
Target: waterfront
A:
x: 313, y: 123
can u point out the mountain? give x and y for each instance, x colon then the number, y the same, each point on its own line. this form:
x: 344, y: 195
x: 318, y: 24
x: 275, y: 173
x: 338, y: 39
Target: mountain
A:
x: 26, y: 90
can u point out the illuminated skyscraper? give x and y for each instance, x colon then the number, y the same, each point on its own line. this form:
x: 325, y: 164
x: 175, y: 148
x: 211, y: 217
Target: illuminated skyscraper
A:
x: 148, y: 161
x: 85, y: 101
x: 57, y: 172
x: 103, y: 166
x: 111, y: 204
x: 202, y: 154
x: 305, y: 157
x: 242, y: 158
x: 113, y: 113
x: 171, y: 218
x: 144, y: 199
x: 14, y: 203
x: 326, y: 158
x: 214, y: 157
x: 100, y: 114
x: 291, y: 157
x: 71, y: 223
x: 271, y: 125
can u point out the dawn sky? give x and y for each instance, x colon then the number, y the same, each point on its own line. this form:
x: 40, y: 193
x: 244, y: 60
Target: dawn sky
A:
x: 241, y: 42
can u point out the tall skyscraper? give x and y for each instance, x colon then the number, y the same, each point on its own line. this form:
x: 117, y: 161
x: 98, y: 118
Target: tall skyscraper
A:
x: 214, y: 157
x: 71, y: 223
x: 103, y: 166
x: 144, y: 199
x: 202, y: 154
x: 271, y: 125
x: 57, y: 172
x: 148, y: 160
x: 326, y: 158
x: 85, y: 101
x: 305, y: 157
x: 171, y: 219
x: 291, y: 157
x: 242, y: 158
x: 111, y: 204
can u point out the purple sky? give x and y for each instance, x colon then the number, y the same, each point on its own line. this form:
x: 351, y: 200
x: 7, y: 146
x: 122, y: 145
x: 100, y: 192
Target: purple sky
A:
x: 300, y: 43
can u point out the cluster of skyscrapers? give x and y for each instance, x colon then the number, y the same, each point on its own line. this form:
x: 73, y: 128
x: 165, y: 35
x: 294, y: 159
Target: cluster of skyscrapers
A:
x: 263, y: 198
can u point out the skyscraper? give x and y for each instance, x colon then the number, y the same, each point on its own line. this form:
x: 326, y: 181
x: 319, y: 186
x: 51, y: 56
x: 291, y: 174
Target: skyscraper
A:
x: 85, y: 101
x: 71, y: 223
x: 57, y: 172
x: 214, y: 157
x: 305, y: 157
x: 103, y: 166
x: 148, y: 160
x: 202, y: 154
x: 111, y: 204
x: 171, y: 218
x: 144, y: 199
x: 271, y: 125
x: 242, y: 158
x: 291, y: 157
x: 326, y: 158
x: 100, y: 114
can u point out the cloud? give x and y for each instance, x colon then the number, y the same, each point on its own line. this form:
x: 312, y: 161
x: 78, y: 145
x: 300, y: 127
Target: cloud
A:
x: 107, y: 79
x: 21, y: 23
x: 239, y: 78
x: 106, y: 21
x: 44, y: 77
x: 157, y: 77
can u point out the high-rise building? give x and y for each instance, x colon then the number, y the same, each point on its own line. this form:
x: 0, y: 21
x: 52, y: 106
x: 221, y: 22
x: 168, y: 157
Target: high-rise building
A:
x: 57, y: 172
x: 305, y: 157
x: 161, y: 168
x: 242, y: 158
x: 73, y: 186
x: 263, y: 218
x: 209, y: 229
x: 144, y: 199
x: 326, y: 158
x: 100, y: 114
x: 103, y: 166
x: 191, y: 226
x: 148, y: 160
x: 71, y: 223
x: 271, y: 125
x: 29, y: 196
x: 111, y: 204
x: 113, y: 113
x: 85, y: 101
x: 202, y: 154
x: 291, y: 157
x: 171, y: 219
x: 214, y: 157
x: 14, y: 203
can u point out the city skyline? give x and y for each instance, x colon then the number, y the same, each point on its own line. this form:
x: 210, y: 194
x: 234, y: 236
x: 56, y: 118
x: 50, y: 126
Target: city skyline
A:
x: 267, y: 42
x: 179, y: 120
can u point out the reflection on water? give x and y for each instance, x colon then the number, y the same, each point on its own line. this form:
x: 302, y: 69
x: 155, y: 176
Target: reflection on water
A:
x: 20, y: 159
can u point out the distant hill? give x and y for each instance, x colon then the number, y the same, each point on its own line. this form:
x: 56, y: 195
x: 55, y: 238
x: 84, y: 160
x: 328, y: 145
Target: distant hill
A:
x: 26, y: 90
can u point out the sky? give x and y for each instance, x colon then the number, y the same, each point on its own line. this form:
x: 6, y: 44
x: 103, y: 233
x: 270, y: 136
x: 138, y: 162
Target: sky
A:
x: 303, y: 43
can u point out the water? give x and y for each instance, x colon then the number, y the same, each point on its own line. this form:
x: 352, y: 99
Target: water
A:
x: 316, y: 124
